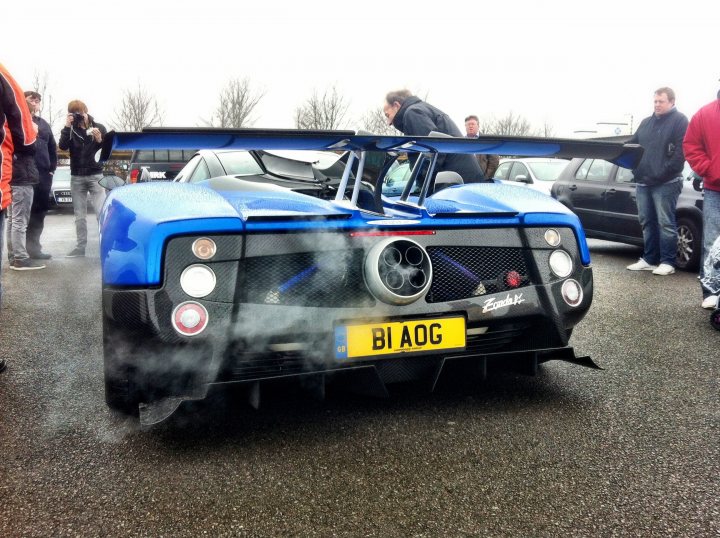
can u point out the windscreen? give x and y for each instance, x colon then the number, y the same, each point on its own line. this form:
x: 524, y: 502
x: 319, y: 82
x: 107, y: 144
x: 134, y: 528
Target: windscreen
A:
x: 548, y: 171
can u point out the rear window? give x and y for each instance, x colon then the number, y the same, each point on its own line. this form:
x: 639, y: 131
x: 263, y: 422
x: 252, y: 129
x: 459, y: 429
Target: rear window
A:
x: 239, y: 163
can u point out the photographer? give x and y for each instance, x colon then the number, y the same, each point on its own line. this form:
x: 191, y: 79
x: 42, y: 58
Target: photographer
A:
x: 83, y: 136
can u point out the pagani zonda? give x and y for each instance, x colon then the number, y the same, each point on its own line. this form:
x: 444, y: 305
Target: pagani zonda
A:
x: 237, y: 279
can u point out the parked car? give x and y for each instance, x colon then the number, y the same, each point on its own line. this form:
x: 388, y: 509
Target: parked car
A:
x: 256, y: 276
x: 60, y: 195
x: 161, y: 164
x: 535, y: 172
x: 603, y: 196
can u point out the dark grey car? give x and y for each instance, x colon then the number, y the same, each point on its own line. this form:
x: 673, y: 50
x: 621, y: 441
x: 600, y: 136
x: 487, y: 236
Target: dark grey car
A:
x: 603, y: 197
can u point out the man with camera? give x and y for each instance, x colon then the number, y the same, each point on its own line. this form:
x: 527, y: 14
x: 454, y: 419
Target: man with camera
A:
x: 82, y: 136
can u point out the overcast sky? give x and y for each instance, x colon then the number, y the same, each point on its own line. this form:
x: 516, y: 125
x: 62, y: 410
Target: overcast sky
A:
x: 570, y: 64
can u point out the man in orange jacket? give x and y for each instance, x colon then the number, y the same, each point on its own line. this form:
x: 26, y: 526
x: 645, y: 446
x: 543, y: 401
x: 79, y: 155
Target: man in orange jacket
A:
x: 17, y: 135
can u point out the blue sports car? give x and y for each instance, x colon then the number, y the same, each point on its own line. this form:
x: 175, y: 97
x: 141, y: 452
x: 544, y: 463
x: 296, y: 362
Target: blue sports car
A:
x: 249, y: 278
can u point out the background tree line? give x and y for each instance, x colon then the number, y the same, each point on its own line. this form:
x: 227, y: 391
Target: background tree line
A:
x: 237, y: 104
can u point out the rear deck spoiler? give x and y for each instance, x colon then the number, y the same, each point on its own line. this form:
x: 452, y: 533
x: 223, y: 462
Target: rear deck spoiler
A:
x: 625, y: 155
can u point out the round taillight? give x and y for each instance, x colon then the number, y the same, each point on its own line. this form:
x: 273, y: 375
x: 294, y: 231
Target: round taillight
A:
x: 189, y: 318
x: 552, y: 237
x: 204, y: 248
x: 572, y: 293
x: 561, y: 263
x: 198, y: 280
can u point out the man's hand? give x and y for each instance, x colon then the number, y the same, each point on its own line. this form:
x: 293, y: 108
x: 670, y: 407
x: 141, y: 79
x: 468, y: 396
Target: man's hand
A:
x: 97, y: 135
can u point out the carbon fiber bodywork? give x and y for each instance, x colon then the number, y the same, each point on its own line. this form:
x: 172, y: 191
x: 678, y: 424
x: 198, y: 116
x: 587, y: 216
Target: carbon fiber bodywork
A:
x: 257, y: 332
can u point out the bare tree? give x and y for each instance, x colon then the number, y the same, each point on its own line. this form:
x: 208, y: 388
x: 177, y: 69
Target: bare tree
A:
x: 138, y: 109
x: 510, y: 125
x: 374, y: 121
x: 322, y: 112
x: 49, y: 111
x: 547, y: 130
x: 236, y: 102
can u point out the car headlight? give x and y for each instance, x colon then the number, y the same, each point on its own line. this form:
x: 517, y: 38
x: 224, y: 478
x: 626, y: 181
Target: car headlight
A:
x: 198, y: 280
x: 561, y: 263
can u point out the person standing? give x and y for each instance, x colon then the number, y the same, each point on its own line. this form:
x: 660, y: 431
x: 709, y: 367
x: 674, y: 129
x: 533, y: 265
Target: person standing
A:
x: 24, y: 178
x: 702, y: 151
x: 488, y: 163
x: 412, y: 116
x: 659, y: 182
x: 82, y: 136
x: 16, y: 136
x: 46, y: 161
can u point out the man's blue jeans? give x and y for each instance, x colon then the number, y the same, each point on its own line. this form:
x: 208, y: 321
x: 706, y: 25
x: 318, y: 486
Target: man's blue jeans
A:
x: 656, y: 211
x: 711, y: 228
x: 19, y: 216
x: 80, y: 188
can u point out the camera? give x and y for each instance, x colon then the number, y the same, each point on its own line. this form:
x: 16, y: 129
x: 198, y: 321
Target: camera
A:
x: 78, y: 119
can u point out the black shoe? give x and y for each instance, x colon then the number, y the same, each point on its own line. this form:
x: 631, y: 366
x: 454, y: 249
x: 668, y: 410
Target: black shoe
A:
x: 76, y: 253
x: 26, y: 265
x: 41, y: 256
x: 3, y: 365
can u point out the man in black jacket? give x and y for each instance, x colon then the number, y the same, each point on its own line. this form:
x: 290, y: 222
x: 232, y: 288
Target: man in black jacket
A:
x: 659, y: 182
x: 412, y: 116
x: 46, y: 161
x: 83, y: 136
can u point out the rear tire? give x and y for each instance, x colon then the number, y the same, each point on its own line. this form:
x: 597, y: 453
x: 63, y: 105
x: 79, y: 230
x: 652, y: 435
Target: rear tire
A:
x: 715, y: 319
x: 689, y: 245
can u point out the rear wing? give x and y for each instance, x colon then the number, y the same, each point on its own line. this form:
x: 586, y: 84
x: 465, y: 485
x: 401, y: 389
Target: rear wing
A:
x: 358, y: 144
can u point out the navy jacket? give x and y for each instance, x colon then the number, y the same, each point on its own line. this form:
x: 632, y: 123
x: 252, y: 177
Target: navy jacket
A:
x: 662, y: 139
x: 417, y: 117
x: 45, y: 147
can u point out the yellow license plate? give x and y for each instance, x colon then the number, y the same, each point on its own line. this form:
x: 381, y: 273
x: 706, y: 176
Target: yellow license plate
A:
x: 387, y: 338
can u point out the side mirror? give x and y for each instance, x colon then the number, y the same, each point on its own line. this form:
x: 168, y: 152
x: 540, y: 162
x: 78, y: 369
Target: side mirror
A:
x: 522, y: 178
x: 110, y: 182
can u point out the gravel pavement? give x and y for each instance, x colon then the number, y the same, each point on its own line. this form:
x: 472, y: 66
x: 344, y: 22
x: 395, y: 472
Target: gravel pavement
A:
x: 632, y: 450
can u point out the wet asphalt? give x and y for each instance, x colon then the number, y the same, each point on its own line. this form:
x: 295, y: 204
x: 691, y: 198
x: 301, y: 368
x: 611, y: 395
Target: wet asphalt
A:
x: 632, y: 450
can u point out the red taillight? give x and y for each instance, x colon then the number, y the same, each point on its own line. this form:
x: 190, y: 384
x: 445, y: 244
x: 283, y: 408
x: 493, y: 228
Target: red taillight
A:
x: 513, y: 279
x: 190, y: 318
x: 134, y: 175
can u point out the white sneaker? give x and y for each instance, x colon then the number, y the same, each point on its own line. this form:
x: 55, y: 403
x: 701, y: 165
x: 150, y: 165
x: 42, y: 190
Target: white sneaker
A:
x: 710, y: 302
x: 664, y: 269
x: 641, y: 265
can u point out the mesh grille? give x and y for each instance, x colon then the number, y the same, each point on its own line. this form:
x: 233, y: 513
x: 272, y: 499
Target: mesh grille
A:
x: 464, y: 272
x: 331, y: 279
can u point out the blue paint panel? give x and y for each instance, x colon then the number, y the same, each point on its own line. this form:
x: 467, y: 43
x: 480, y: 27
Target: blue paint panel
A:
x: 137, y: 220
